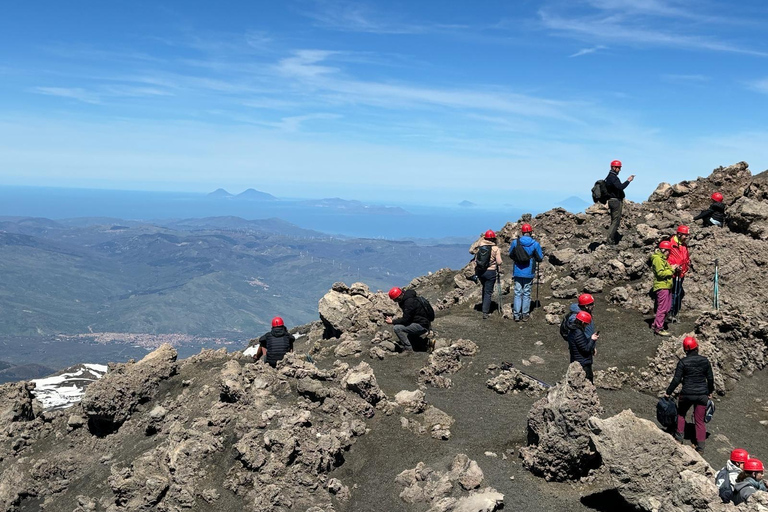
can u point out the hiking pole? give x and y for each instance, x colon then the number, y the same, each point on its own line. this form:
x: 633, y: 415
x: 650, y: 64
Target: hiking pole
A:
x: 675, y: 307
x: 536, y: 303
x: 499, y: 299
x: 716, y: 282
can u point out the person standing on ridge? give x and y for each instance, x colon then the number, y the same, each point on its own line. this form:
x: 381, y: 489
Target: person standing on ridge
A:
x: 715, y: 214
x: 749, y: 481
x: 695, y: 372
x: 414, y: 320
x: 275, y: 344
x: 526, y: 254
x: 487, y: 266
x: 615, y: 190
x: 581, y: 347
x: 725, y: 479
x: 679, y: 256
x: 662, y: 285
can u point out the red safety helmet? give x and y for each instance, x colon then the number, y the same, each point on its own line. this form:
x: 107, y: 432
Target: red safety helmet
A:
x: 616, y: 163
x: 690, y: 343
x: 526, y: 228
x: 753, y: 465
x: 665, y: 244
x: 717, y: 197
x: 583, y: 316
x: 395, y: 292
x: 683, y: 230
x: 739, y: 455
x: 277, y: 322
x: 489, y: 235
x: 586, y: 299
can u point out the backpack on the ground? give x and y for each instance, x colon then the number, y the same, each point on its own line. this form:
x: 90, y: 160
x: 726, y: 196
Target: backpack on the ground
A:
x: 666, y: 412
x: 565, y: 325
x: 429, y: 312
x: 483, y: 259
x: 520, y: 256
x: 600, y: 192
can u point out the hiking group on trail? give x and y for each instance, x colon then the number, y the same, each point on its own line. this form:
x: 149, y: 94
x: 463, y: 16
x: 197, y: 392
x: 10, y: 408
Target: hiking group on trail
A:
x: 487, y: 266
x: 526, y: 255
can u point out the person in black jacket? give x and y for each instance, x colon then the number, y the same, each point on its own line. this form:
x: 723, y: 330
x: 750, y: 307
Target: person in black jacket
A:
x: 695, y: 372
x: 275, y: 344
x: 615, y: 199
x: 715, y: 214
x: 414, y: 320
x: 581, y: 347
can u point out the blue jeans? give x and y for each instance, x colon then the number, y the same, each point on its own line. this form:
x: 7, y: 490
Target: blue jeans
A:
x: 523, y: 287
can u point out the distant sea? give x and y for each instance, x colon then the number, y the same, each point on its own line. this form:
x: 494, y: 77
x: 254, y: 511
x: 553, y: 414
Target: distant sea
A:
x: 419, y: 221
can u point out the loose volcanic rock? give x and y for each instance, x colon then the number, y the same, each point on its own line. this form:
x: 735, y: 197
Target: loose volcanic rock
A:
x: 445, y: 360
x: 108, y: 402
x: 559, y: 447
x: 513, y: 380
x: 362, y: 381
x: 354, y: 309
x: 411, y: 401
x: 16, y: 402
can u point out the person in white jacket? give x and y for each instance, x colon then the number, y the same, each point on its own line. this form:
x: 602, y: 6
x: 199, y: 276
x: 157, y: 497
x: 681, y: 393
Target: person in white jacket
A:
x: 726, y: 477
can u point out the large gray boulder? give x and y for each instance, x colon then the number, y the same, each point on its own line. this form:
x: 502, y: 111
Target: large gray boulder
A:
x: 354, y: 309
x: 559, y: 443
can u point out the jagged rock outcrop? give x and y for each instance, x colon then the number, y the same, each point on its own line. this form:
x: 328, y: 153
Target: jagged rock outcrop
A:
x: 17, y: 403
x: 445, y: 361
x: 354, y: 309
x: 559, y: 444
x: 423, y: 484
x: 111, y: 400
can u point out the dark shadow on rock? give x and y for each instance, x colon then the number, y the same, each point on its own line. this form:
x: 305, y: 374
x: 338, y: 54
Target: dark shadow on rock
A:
x: 608, y: 501
x: 101, y: 428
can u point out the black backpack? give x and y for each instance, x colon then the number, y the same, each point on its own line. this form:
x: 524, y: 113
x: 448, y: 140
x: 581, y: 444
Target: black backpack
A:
x: 428, y: 311
x: 519, y: 255
x: 483, y: 259
x: 666, y: 412
x: 565, y: 325
x: 600, y: 192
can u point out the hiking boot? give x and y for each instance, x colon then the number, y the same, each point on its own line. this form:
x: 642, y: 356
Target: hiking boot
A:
x: 679, y: 437
x: 526, y: 318
x: 662, y: 332
x: 700, y: 447
x: 485, y: 316
x: 517, y: 319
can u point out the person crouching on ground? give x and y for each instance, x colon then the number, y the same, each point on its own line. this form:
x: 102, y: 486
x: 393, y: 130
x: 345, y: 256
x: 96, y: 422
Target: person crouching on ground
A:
x: 582, y: 347
x: 487, y: 265
x: 275, y: 344
x: 715, y: 214
x: 662, y: 286
x: 414, y: 320
x: 695, y: 372
x: 525, y: 262
x: 726, y: 477
x: 585, y: 303
x: 749, y: 481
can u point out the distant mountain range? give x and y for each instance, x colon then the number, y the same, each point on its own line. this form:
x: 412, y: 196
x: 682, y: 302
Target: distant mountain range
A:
x: 12, y: 372
x: 467, y: 204
x: 248, y: 195
x: 332, y: 203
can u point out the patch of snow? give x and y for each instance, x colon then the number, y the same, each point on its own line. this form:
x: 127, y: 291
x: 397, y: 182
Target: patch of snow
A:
x: 68, y: 386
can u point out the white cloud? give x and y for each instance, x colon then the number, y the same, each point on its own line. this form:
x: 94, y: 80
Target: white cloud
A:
x: 587, y: 51
x: 759, y: 85
x: 74, y: 93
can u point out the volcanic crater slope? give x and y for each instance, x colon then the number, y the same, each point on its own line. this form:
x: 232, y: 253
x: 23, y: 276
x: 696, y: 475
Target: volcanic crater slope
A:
x: 493, y: 417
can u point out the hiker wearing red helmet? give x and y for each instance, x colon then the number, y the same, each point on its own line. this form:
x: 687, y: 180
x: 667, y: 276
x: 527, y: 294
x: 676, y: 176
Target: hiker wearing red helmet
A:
x: 615, y: 190
x: 487, y: 266
x: 679, y: 255
x: 715, y: 214
x: 526, y: 253
x: 695, y: 373
x: 414, y: 320
x: 582, y: 348
x: 662, y: 284
x: 726, y: 477
x: 585, y: 302
x: 275, y: 344
x: 749, y: 481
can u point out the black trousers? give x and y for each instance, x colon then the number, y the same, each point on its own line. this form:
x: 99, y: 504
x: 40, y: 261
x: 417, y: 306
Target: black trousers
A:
x: 488, y: 280
x: 614, y: 206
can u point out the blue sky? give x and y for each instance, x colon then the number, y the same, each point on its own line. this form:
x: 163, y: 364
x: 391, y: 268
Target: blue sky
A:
x: 427, y: 101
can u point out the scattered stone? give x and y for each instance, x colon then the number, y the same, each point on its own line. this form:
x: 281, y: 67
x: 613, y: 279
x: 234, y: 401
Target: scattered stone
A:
x: 513, y: 380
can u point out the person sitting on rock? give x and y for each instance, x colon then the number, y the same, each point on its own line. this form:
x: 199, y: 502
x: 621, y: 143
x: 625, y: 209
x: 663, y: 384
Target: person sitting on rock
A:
x: 715, y: 214
x: 487, y: 264
x: 585, y: 303
x: 582, y: 347
x: 275, y: 344
x: 680, y: 257
x: 662, y: 285
x: 695, y: 373
x: 525, y: 263
x: 726, y: 477
x: 413, y: 322
x: 749, y: 481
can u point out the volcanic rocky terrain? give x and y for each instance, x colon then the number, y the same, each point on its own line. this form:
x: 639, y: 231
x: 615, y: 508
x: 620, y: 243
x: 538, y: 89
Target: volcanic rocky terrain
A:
x: 493, y: 418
